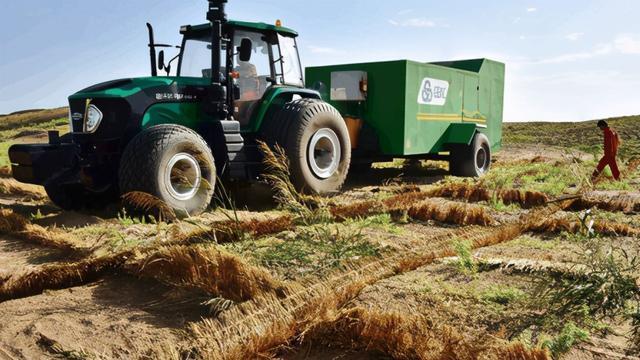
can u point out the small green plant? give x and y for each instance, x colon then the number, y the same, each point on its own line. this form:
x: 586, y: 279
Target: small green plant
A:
x: 37, y: 216
x: 465, y: 262
x: 570, y: 336
x: 381, y: 221
x: 126, y: 220
x: 605, y: 287
x: 503, y: 295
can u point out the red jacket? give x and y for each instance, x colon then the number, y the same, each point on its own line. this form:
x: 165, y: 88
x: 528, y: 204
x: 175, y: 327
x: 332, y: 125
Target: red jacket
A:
x: 611, y: 142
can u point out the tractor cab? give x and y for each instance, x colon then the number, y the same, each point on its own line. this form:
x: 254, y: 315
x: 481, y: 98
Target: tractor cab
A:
x: 261, y: 56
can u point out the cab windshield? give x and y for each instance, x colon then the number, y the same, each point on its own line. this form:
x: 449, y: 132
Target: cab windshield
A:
x: 290, y: 70
x: 196, y: 58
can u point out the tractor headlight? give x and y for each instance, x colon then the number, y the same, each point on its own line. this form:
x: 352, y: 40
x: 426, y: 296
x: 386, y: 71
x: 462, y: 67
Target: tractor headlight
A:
x: 93, y: 118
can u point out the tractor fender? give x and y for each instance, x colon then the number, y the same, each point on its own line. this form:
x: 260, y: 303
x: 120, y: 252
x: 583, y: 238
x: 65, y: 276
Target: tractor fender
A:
x: 274, y: 99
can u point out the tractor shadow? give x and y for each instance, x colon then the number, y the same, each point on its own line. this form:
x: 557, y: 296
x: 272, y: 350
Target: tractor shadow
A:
x: 407, y: 175
x: 259, y: 196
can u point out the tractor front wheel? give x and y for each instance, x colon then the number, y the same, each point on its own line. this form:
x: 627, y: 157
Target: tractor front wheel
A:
x: 172, y: 163
x: 473, y: 160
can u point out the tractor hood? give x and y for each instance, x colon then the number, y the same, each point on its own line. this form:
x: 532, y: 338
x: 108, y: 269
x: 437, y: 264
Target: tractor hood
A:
x: 123, y: 103
x: 124, y: 88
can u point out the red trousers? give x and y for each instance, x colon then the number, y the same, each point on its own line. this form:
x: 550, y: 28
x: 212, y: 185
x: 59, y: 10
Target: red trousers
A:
x: 609, y: 160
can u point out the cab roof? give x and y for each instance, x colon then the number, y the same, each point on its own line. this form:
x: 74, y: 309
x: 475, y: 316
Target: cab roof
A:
x: 259, y: 26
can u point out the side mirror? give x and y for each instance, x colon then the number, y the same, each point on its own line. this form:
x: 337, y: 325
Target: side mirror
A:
x: 161, y: 60
x: 245, y: 49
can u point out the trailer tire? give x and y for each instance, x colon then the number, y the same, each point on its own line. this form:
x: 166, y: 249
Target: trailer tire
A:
x: 172, y: 163
x: 473, y: 160
x: 304, y: 124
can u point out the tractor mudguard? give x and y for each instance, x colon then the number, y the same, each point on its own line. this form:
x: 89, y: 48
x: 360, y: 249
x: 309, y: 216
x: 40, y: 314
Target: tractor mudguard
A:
x: 271, y: 99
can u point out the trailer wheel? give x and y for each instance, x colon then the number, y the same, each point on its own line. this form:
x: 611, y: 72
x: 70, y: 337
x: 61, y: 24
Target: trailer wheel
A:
x: 316, y: 141
x: 472, y: 160
x: 174, y: 164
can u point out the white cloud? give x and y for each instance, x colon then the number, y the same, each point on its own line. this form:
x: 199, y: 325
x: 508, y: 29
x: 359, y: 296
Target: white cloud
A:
x: 532, y: 9
x: 414, y: 22
x: 322, y: 50
x: 574, y: 36
x: 565, y: 58
x: 627, y: 44
x: 622, y: 44
x: 405, y: 12
x: 517, y: 20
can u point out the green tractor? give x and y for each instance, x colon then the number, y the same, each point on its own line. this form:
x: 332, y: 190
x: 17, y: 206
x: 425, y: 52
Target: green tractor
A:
x: 237, y: 83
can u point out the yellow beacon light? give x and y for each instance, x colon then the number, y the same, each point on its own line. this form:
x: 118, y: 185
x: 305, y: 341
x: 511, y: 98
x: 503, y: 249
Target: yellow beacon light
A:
x: 278, y: 23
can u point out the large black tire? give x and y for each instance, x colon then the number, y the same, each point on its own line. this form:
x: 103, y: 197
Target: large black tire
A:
x: 173, y: 163
x: 473, y: 160
x: 304, y: 123
x: 77, y: 197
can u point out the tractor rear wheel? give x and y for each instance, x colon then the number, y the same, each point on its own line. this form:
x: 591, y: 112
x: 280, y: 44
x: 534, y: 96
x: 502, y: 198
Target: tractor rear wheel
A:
x: 316, y: 141
x: 473, y: 160
x: 172, y: 163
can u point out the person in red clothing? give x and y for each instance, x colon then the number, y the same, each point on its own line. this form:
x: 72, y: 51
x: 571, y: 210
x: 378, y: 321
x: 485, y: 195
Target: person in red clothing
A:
x: 611, y: 143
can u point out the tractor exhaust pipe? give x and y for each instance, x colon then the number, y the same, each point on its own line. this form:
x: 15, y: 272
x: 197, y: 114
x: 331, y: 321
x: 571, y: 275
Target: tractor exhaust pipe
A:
x: 152, y: 51
x: 217, y: 16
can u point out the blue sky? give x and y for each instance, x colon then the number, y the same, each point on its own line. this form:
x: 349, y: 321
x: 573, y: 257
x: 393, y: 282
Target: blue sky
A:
x: 566, y: 60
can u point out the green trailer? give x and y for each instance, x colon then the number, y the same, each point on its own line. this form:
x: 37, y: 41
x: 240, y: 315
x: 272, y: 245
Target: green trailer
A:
x: 408, y: 109
x: 233, y: 85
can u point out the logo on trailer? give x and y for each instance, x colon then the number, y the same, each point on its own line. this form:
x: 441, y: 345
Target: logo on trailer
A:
x: 76, y: 116
x: 433, y: 92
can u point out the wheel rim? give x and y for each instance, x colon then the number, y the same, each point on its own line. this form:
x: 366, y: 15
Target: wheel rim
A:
x: 183, y: 176
x: 324, y: 153
x: 481, y: 159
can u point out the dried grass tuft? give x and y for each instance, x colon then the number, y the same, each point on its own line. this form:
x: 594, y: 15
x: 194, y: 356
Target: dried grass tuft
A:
x: 11, y: 222
x: 419, y: 206
x: 26, y: 192
x: 570, y: 225
x: 60, y: 276
x: 278, y: 175
x: 405, y: 200
x: 471, y: 193
x: 5, y: 172
x: 450, y: 212
x: 233, y: 231
x: 607, y: 201
x: 147, y: 204
x: 355, y: 210
x: 398, y: 335
x: 214, y: 271
x: 18, y: 226
x: 476, y: 193
x: 526, y: 199
x: 519, y: 351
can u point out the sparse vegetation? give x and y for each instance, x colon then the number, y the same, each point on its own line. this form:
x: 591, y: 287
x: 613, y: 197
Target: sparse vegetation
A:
x: 318, y: 271
x: 465, y: 260
x: 563, y: 342
x: 503, y: 296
